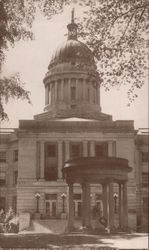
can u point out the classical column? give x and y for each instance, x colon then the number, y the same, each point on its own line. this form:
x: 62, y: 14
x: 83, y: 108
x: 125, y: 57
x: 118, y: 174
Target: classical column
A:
x: 86, y: 215
x: 60, y: 159
x: 120, y: 205
x: 46, y: 94
x: 104, y: 199
x: 111, y: 205
x: 42, y: 159
x: 77, y: 89
x: 84, y: 89
x: 62, y: 89
x: 69, y: 91
x: 110, y: 148
x: 88, y: 205
x: 55, y: 86
x: 67, y: 150
x: 85, y: 148
x: 71, y: 207
x: 37, y: 160
x: 92, y: 148
x: 125, y: 206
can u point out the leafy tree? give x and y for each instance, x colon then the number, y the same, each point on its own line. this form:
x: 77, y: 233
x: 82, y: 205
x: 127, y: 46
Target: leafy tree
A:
x: 116, y: 31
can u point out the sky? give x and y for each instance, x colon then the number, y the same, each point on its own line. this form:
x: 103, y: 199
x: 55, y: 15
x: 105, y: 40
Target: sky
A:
x: 31, y: 59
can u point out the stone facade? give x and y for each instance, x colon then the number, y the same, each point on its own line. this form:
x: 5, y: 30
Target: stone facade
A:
x: 32, y: 157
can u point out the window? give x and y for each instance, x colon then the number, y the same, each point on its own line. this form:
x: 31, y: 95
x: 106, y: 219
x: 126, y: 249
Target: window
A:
x: 14, y: 204
x: 15, y: 155
x: 101, y: 150
x: 2, y: 156
x: 73, y: 93
x: 75, y: 150
x: 145, y: 156
x: 145, y: 179
x: 145, y: 205
x: 2, y: 203
x: 15, y: 177
x: 2, y: 179
x: 51, y: 151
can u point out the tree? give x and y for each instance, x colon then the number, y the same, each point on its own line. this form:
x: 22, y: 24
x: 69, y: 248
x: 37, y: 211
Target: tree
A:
x: 116, y: 31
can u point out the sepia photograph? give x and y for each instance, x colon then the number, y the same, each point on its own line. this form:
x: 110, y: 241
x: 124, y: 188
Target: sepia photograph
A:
x: 74, y: 130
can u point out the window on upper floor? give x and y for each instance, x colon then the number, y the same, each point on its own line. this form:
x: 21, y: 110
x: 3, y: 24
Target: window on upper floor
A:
x: 145, y: 205
x: 145, y: 179
x: 50, y: 170
x: 15, y: 177
x: 145, y: 156
x: 2, y: 156
x: 2, y: 178
x: 75, y: 150
x: 2, y: 203
x: 101, y: 150
x: 15, y: 155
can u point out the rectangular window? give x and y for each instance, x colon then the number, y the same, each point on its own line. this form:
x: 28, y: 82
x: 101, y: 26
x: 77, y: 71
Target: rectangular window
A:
x: 101, y: 150
x: 73, y: 93
x: 145, y: 179
x: 2, y: 178
x: 15, y: 177
x: 145, y: 156
x: 145, y: 205
x: 2, y: 203
x: 75, y: 150
x: 15, y: 155
x: 2, y: 156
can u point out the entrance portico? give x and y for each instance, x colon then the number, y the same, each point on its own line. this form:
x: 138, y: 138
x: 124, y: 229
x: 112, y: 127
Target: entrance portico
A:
x: 105, y: 171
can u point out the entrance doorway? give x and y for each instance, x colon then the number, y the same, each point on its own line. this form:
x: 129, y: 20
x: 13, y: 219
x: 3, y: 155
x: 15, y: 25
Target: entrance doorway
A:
x: 78, y: 208
x: 51, y: 205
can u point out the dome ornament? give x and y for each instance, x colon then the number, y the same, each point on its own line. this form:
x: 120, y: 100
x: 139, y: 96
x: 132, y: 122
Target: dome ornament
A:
x: 72, y: 28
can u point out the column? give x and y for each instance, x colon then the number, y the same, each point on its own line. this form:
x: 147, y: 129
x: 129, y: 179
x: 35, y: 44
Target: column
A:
x: 46, y: 94
x: 110, y: 148
x: 71, y: 207
x: 69, y: 91
x: 88, y: 206
x: 125, y: 206
x: 62, y: 89
x: 55, y: 89
x: 85, y: 148
x: 86, y: 214
x: 120, y: 205
x: 111, y: 205
x: 77, y: 89
x: 104, y: 199
x: 67, y: 151
x: 92, y: 148
x: 60, y: 159
x: 37, y: 160
x: 42, y: 159
x: 84, y: 89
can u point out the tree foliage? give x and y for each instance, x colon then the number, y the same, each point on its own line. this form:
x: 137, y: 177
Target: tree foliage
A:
x: 116, y: 31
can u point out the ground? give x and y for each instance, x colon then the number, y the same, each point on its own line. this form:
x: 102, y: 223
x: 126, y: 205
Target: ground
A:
x: 74, y: 241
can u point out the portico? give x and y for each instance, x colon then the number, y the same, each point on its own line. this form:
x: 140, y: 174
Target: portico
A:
x: 104, y: 171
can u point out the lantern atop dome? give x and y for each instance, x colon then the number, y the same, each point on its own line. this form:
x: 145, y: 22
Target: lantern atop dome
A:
x: 72, y: 28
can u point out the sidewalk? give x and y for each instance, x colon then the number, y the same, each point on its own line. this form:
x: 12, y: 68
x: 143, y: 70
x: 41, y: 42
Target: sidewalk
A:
x: 74, y: 241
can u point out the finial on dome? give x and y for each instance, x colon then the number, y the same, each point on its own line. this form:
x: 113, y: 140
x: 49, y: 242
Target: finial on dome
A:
x: 72, y: 28
x: 72, y: 16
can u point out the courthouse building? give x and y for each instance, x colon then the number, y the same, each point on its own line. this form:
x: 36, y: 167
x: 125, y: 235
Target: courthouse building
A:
x: 72, y: 125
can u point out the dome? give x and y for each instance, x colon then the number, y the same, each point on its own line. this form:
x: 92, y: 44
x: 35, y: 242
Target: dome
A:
x: 72, y: 51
